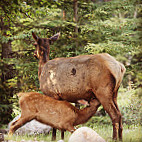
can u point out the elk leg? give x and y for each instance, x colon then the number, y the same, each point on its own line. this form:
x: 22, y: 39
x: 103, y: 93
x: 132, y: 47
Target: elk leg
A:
x: 53, y: 134
x: 114, y: 115
x: 14, y: 122
x: 62, y: 134
x: 109, y: 106
x: 120, y: 120
x: 17, y: 124
x: 120, y: 128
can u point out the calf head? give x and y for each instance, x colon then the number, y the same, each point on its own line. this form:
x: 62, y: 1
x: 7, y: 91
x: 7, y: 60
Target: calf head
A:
x: 42, y: 45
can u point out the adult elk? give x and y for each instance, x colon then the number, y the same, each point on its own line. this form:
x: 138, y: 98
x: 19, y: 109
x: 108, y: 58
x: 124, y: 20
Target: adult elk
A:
x: 81, y: 77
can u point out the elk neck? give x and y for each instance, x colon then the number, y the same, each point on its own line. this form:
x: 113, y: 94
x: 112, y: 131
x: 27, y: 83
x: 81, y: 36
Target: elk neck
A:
x: 42, y: 61
x: 85, y: 114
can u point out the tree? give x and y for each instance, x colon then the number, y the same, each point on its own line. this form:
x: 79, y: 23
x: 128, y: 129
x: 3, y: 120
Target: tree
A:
x: 7, y: 70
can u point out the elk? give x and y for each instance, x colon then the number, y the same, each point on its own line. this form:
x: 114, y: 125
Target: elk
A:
x: 56, y: 113
x: 81, y: 77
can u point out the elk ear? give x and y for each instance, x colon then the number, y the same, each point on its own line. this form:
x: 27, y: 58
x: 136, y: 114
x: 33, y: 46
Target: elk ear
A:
x: 34, y: 36
x: 54, y: 38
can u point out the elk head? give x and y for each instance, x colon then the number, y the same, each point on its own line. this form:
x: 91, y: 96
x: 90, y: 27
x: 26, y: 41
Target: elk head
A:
x: 42, y: 46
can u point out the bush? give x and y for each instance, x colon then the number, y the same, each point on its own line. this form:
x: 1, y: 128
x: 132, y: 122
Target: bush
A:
x: 132, y: 110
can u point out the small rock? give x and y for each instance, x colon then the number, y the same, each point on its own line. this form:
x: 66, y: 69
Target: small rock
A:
x: 4, y: 131
x: 1, y: 137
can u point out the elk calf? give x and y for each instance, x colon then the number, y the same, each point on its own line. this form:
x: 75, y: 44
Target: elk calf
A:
x: 58, y: 114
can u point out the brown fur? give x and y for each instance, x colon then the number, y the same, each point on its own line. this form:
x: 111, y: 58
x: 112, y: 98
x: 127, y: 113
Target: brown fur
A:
x: 58, y: 114
x: 83, y: 77
x: 92, y: 73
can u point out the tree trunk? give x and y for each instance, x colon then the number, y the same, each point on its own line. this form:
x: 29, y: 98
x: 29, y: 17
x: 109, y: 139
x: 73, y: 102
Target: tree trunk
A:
x: 76, y: 16
x: 6, y: 72
x: 75, y: 7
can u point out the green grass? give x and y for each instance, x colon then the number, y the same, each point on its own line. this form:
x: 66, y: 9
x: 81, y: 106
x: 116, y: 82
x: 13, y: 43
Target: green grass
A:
x: 130, y: 134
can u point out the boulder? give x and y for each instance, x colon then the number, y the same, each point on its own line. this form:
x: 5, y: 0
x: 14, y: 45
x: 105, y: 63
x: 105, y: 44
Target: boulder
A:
x: 85, y: 134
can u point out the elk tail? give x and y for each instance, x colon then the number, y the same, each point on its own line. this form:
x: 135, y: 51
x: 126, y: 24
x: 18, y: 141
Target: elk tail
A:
x: 120, y: 77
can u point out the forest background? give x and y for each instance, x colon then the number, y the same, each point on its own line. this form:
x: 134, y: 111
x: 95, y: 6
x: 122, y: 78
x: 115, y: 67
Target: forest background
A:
x: 86, y: 27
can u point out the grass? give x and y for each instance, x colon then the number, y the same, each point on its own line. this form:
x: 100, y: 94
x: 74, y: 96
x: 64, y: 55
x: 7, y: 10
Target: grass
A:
x: 130, y: 134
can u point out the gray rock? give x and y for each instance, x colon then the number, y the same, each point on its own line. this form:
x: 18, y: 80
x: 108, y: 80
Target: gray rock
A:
x: 85, y: 134
x: 1, y: 137
x: 32, y: 127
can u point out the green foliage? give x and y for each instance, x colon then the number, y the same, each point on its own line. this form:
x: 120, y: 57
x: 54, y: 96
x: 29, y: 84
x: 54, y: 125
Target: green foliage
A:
x: 130, y: 107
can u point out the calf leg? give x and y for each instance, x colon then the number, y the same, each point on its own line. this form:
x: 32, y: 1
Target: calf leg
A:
x: 14, y: 122
x: 17, y: 124
x: 62, y: 134
x: 54, y: 134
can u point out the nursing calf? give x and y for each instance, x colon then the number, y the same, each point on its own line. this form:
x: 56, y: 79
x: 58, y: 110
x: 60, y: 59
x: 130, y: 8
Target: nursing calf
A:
x: 58, y: 114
